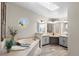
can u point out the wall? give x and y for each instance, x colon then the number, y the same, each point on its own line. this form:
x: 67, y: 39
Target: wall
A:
x: 15, y: 13
x: 73, y: 16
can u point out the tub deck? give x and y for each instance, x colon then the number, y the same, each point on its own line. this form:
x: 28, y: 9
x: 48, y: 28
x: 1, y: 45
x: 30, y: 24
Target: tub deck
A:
x: 30, y: 51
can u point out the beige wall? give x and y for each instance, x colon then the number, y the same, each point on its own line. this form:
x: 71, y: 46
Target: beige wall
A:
x: 15, y: 13
x: 73, y: 16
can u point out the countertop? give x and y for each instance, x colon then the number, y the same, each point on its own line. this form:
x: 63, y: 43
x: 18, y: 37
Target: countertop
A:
x: 55, y: 35
x: 51, y: 35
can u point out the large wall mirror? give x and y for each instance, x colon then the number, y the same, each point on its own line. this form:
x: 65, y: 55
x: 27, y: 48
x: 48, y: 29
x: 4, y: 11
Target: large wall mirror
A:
x: 3, y: 21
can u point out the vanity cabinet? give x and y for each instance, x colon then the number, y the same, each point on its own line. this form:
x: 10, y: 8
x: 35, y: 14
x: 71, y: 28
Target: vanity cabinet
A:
x: 45, y: 40
x: 63, y: 41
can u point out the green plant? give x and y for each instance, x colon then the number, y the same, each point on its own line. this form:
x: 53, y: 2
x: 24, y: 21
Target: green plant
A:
x: 13, y: 31
x: 8, y: 45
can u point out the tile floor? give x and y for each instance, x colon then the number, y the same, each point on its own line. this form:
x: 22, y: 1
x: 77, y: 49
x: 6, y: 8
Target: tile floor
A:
x: 53, y: 50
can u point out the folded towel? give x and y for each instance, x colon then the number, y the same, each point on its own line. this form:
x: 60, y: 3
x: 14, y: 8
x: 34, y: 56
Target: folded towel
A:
x: 25, y: 45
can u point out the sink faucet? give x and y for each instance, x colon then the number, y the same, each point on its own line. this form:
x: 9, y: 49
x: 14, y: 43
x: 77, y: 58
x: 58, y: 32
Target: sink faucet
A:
x: 53, y: 34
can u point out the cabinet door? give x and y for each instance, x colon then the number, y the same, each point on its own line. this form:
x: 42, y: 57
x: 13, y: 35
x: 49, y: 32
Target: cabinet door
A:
x: 45, y: 40
x: 65, y: 41
x: 61, y: 41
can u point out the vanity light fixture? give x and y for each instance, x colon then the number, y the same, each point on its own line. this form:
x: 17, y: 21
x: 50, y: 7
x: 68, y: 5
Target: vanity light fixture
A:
x: 42, y: 21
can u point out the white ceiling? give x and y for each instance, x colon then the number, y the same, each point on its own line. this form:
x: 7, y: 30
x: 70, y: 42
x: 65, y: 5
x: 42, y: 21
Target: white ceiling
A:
x: 41, y: 10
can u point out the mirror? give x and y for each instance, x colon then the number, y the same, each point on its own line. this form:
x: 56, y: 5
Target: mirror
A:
x: 50, y: 28
x: 65, y: 28
x: 57, y: 27
x: 41, y: 27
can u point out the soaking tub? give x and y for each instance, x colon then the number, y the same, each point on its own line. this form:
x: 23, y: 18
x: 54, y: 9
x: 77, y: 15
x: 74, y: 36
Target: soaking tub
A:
x: 32, y: 50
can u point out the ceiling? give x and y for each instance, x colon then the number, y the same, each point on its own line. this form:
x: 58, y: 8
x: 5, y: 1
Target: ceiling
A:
x: 41, y: 10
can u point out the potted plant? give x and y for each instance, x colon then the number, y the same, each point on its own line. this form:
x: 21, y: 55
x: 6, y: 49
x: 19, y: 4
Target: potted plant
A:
x: 10, y: 42
x: 8, y: 45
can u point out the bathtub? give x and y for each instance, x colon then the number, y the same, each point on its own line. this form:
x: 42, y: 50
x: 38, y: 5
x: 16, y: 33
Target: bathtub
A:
x: 32, y: 50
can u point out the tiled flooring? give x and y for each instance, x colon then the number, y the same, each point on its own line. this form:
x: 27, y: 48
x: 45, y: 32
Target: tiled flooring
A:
x: 53, y: 50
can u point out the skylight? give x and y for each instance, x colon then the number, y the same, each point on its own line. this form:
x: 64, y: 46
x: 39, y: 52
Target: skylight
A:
x: 49, y: 6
